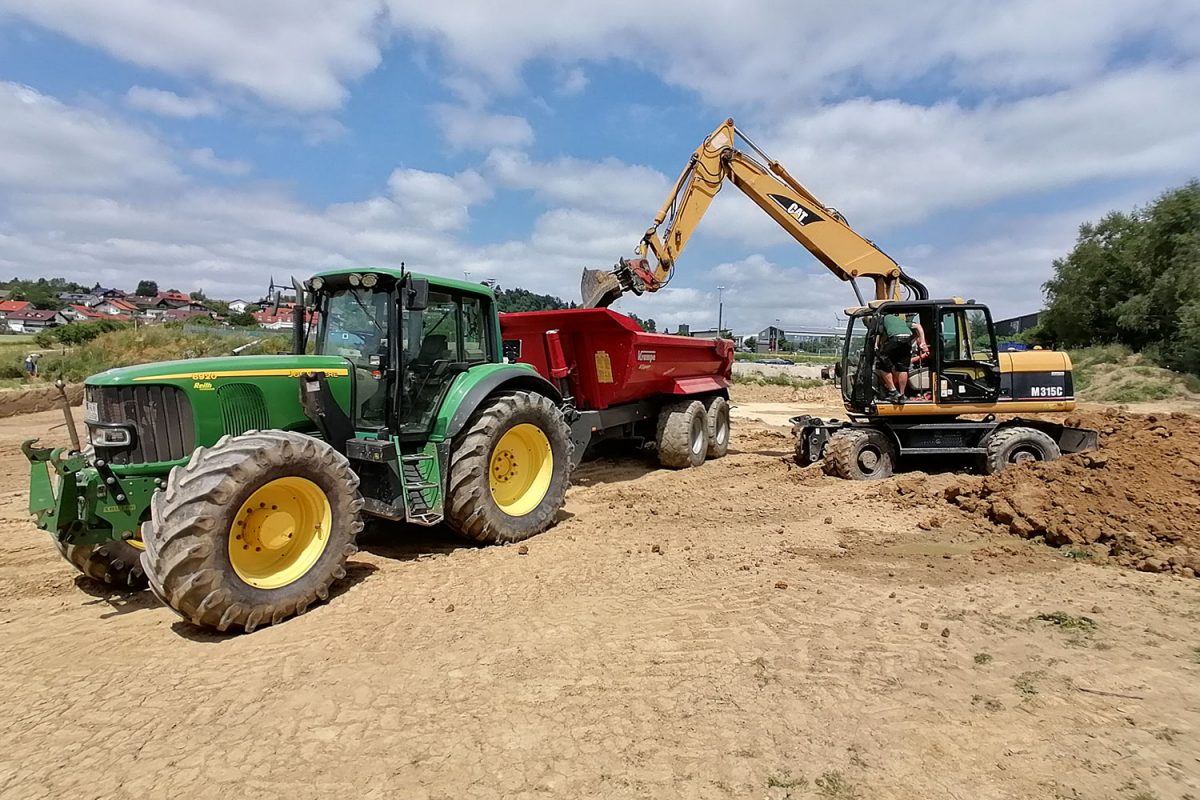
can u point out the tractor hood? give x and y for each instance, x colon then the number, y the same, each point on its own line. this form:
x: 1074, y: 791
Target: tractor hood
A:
x: 222, y: 369
x: 173, y: 406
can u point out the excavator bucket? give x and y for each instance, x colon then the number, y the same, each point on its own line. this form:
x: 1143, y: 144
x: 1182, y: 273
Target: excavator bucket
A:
x: 599, y: 288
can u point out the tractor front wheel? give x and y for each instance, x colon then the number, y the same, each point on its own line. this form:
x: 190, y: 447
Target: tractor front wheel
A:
x: 859, y: 454
x: 116, y: 564
x: 252, y: 530
x: 509, y: 469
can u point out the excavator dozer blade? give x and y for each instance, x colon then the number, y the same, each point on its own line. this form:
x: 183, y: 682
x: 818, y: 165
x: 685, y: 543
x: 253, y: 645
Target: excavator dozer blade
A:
x: 599, y: 288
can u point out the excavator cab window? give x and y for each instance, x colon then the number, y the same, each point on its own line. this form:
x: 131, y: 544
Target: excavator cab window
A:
x: 858, y: 355
x: 968, y: 366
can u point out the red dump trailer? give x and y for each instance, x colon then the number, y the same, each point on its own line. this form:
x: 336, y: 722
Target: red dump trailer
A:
x: 621, y: 382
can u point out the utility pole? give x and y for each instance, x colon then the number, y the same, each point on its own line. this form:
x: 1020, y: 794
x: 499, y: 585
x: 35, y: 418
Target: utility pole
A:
x: 720, y: 309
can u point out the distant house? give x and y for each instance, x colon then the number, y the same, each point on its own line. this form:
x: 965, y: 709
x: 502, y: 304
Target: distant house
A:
x: 239, y: 306
x: 270, y: 319
x: 81, y: 298
x: 9, y: 306
x: 33, y: 320
x: 117, y: 307
x: 81, y: 313
x: 100, y: 291
x: 172, y: 300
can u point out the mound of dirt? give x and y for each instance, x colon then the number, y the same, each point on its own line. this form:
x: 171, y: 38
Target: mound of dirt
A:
x: 36, y: 398
x: 1135, y: 500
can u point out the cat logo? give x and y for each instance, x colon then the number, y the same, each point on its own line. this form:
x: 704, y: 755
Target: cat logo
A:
x: 802, y: 215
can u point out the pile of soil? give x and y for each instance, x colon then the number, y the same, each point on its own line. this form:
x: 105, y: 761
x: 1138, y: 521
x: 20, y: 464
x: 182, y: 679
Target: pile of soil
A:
x: 1135, y: 500
x: 37, y: 398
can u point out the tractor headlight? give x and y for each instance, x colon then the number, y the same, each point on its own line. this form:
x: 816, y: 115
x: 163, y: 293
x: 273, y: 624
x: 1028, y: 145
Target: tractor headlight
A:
x: 369, y: 280
x: 316, y: 284
x: 110, y: 436
x: 355, y: 279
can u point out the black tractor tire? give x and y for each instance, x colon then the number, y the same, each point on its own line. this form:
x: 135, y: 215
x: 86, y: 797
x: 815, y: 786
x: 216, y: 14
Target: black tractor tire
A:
x: 716, y: 410
x: 1018, y: 445
x: 188, y: 556
x: 682, y: 436
x: 116, y: 564
x: 472, y: 509
x: 859, y: 454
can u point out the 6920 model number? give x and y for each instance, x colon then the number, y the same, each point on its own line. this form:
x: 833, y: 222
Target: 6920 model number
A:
x: 1046, y: 391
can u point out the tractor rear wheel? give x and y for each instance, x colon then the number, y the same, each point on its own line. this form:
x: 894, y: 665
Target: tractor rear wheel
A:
x: 116, y: 564
x: 716, y: 409
x: 1018, y: 445
x: 509, y: 469
x: 252, y: 530
x: 860, y: 455
x: 682, y: 438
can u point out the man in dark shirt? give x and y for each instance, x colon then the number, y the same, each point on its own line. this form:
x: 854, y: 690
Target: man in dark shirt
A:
x: 894, y: 356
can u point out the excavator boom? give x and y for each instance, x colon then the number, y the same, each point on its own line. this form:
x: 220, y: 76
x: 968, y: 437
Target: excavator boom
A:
x: 820, y: 229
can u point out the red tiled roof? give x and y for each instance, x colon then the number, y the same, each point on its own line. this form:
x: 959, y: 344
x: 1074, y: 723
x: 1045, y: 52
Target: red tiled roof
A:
x: 116, y: 302
x: 8, y: 306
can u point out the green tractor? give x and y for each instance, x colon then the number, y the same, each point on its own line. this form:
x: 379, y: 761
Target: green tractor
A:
x: 235, y: 487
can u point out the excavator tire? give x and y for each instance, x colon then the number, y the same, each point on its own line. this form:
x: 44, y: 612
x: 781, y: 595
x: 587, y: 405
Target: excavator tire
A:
x: 116, y: 564
x: 682, y: 439
x: 253, y: 530
x: 509, y: 469
x: 860, y: 455
x: 716, y: 409
x: 1018, y: 445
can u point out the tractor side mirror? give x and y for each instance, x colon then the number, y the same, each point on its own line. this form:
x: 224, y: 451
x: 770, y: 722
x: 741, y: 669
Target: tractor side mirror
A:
x: 418, y: 295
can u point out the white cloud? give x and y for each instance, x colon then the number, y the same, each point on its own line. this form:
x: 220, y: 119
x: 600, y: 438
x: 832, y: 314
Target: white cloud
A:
x: 297, y: 54
x: 572, y: 82
x: 46, y: 143
x: 205, y: 158
x: 472, y: 128
x: 605, y: 184
x: 169, y: 104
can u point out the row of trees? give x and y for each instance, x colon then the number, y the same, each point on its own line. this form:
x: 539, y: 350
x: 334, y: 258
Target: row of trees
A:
x: 1133, y: 279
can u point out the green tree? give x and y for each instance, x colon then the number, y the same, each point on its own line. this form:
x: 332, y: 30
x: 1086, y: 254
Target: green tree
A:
x: 750, y: 343
x: 647, y: 324
x: 1134, y: 278
x: 243, y: 320
x: 147, y: 288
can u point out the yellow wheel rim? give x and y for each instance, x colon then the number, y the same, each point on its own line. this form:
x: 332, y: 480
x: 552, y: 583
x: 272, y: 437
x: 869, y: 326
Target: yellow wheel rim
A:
x: 520, y: 470
x: 279, y: 532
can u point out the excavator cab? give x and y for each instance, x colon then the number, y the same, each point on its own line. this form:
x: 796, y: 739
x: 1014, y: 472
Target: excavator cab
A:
x: 961, y: 368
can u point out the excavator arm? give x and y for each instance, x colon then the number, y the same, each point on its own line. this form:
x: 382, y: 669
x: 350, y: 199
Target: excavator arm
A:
x: 822, y: 230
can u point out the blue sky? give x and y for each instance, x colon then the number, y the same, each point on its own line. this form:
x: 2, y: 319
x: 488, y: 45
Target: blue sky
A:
x: 212, y: 145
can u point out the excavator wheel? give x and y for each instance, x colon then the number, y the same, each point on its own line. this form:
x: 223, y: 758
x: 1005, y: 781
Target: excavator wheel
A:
x: 716, y: 409
x: 860, y: 455
x: 1017, y: 445
x: 682, y: 434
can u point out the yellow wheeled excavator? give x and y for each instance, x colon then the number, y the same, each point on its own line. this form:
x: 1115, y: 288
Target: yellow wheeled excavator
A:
x: 958, y: 386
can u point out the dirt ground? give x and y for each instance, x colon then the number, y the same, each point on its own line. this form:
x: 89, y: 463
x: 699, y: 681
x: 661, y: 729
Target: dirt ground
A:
x: 745, y: 629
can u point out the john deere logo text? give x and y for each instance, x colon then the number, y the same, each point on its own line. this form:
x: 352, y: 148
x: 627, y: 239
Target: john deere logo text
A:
x: 796, y: 211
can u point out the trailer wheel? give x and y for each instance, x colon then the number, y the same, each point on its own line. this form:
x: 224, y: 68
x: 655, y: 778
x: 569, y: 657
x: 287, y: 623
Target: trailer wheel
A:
x: 682, y: 434
x: 1018, y: 445
x: 252, y: 530
x: 116, y: 563
x: 509, y: 469
x: 860, y: 455
x: 716, y: 409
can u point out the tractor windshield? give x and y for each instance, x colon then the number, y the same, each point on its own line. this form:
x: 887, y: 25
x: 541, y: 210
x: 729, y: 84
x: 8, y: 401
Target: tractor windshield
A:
x: 354, y: 325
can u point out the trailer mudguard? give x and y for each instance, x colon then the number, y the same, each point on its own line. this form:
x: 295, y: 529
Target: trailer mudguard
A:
x: 477, y: 383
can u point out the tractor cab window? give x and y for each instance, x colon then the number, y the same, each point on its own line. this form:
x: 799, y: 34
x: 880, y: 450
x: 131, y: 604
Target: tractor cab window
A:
x: 355, y: 325
x: 439, y: 342
x: 969, y: 369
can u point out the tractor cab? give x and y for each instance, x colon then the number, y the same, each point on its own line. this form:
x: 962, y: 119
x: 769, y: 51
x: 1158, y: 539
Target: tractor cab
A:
x: 407, y: 341
x: 961, y: 368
